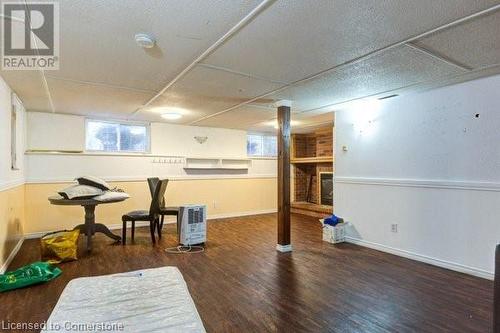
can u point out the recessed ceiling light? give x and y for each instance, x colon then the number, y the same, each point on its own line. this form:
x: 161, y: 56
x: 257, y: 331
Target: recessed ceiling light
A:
x: 144, y: 40
x: 171, y: 115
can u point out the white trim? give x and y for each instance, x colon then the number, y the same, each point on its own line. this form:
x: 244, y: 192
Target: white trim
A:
x: 283, y: 102
x: 238, y: 214
x: 96, y: 153
x: 12, y: 255
x: 4, y: 186
x: 423, y: 258
x: 39, y: 234
x: 422, y: 183
x: 144, y: 177
x: 284, y: 248
x: 262, y: 157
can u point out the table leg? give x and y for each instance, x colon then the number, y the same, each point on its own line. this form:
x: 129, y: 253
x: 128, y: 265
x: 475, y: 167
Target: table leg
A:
x: 89, y: 225
x: 98, y: 227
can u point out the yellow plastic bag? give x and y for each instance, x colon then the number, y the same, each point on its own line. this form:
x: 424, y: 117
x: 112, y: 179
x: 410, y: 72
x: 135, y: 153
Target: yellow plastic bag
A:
x: 60, y: 246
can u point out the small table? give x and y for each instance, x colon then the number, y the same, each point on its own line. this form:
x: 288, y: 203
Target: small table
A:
x: 89, y: 228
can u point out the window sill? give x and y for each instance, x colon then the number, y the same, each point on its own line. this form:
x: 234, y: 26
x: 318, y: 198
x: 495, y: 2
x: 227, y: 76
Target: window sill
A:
x: 262, y: 157
x: 83, y: 153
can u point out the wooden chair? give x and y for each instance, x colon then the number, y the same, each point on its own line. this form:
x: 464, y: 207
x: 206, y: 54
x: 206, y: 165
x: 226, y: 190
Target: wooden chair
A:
x: 164, y: 211
x: 151, y: 215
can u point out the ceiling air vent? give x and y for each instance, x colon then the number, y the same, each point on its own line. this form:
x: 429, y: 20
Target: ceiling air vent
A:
x: 387, y: 97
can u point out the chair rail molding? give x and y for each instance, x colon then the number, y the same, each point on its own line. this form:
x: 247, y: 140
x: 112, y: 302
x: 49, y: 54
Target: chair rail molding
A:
x: 421, y: 183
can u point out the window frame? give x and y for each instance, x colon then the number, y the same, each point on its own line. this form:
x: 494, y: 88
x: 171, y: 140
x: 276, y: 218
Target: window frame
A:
x: 119, y: 123
x: 262, y: 136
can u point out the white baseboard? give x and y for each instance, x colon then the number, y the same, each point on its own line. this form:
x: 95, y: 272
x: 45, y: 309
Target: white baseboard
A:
x: 11, y: 255
x: 422, y: 258
x: 248, y: 213
x: 110, y: 227
x: 39, y: 234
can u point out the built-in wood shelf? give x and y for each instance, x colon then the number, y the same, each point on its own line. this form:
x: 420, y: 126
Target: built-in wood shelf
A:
x: 217, y: 163
x: 320, y: 159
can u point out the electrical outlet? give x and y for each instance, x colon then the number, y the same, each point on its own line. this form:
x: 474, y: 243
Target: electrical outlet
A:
x: 215, y: 204
x: 394, y: 227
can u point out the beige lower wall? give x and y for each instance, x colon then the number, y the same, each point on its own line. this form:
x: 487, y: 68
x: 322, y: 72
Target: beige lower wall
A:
x: 12, y: 219
x: 231, y: 197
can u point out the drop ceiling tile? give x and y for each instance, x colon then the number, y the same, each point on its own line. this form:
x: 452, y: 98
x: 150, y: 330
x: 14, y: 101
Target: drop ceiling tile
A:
x: 475, y: 43
x: 97, y: 37
x: 301, y: 123
x: 391, y: 70
x: 205, y: 91
x: 95, y: 100
x: 241, y: 118
x: 309, y: 118
x: 29, y: 86
x: 294, y: 39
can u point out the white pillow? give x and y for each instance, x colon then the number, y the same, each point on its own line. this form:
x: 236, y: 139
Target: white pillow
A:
x: 80, y: 192
x: 111, y: 196
x: 93, y: 181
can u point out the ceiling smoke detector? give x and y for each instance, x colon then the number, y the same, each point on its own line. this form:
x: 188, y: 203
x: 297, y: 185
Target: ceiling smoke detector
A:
x: 145, y: 41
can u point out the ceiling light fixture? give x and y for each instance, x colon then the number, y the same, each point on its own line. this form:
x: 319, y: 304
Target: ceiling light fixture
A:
x: 145, y: 41
x: 171, y: 115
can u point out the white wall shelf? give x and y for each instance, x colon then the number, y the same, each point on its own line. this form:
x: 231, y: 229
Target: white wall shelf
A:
x: 217, y: 163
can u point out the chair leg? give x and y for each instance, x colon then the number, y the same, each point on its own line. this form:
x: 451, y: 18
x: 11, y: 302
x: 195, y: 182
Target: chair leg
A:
x: 161, y: 224
x: 133, y: 230
x: 124, y: 233
x: 152, y: 230
x: 158, y: 228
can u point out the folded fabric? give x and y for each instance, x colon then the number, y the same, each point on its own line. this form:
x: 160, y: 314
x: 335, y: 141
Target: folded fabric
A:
x: 333, y: 220
x: 93, y: 181
x: 80, y: 192
x: 112, y: 196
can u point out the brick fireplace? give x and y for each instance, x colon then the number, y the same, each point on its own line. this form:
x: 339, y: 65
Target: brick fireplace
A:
x: 312, y: 156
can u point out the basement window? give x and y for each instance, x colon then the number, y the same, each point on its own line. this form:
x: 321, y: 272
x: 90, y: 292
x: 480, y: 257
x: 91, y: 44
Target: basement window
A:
x: 262, y: 145
x: 105, y: 136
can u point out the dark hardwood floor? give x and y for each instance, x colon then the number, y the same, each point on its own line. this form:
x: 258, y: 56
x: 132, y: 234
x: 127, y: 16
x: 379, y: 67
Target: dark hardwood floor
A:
x: 242, y: 284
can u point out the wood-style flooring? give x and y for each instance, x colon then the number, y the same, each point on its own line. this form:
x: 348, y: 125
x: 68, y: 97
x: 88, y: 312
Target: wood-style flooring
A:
x: 242, y: 284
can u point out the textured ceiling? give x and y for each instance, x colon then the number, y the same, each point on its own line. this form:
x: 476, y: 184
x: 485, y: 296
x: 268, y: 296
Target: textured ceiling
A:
x: 316, y: 53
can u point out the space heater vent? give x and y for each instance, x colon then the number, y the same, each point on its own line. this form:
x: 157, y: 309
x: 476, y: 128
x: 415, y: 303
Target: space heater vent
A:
x: 195, y: 215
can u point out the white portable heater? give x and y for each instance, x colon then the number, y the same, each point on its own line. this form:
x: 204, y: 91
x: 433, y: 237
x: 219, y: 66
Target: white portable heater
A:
x: 192, y: 224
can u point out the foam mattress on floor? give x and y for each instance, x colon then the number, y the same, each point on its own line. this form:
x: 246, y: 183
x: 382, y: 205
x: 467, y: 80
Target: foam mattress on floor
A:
x: 150, y: 300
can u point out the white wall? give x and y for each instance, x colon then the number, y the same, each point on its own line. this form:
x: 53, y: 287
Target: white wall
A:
x: 50, y: 168
x: 169, y: 145
x: 50, y: 131
x: 178, y: 140
x: 11, y: 181
x: 425, y: 162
